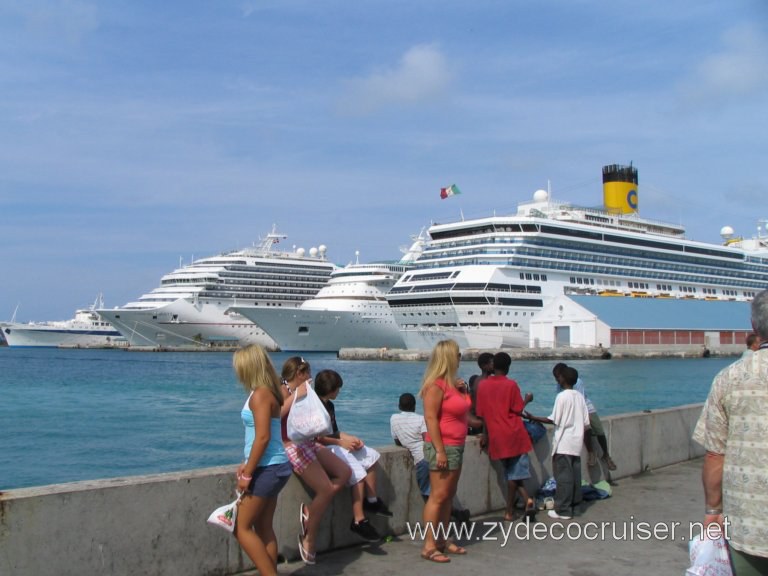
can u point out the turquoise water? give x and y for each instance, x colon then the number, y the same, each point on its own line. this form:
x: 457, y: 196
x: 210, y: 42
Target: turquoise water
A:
x: 70, y: 415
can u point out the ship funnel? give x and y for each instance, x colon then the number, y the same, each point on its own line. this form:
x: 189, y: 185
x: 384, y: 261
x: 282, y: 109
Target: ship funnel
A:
x: 620, y: 189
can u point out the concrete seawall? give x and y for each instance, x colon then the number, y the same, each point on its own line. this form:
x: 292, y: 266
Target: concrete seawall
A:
x: 156, y: 525
x: 618, y: 352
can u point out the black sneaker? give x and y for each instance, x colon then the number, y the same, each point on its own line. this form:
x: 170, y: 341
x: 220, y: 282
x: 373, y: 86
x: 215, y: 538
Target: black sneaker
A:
x: 378, y: 508
x: 365, y: 530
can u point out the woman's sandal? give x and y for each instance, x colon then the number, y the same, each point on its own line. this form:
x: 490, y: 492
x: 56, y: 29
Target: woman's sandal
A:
x: 435, y: 555
x: 306, y: 556
x: 453, y: 548
x: 303, y: 518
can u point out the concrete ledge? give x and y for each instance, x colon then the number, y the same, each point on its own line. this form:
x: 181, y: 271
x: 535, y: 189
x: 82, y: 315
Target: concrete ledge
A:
x: 156, y: 525
x: 583, y: 353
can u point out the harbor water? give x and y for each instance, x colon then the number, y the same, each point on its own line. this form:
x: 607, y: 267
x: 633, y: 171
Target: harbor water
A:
x: 70, y: 415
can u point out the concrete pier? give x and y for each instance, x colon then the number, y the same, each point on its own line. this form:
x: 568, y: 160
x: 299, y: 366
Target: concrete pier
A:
x: 555, y: 354
x: 642, y: 529
x: 156, y: 525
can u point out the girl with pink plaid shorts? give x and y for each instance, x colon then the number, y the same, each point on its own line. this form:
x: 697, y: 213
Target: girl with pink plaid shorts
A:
x: 317, y: 466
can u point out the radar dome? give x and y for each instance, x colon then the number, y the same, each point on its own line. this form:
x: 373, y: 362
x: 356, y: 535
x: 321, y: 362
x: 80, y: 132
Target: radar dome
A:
x: 300, y: 251
x: 540, y: 196
x: 313, y: 252
x: 322, y: 249
x: 726, y: 231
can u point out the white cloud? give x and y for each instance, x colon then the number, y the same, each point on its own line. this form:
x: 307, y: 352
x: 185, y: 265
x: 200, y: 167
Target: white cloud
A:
x: 422, y: 75
x: 738, y: 70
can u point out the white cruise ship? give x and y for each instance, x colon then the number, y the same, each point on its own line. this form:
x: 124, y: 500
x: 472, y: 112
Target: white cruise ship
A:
x: 480, y: 281
x: 86, y: 329
x: 350, y: 311
x: 191, y: 307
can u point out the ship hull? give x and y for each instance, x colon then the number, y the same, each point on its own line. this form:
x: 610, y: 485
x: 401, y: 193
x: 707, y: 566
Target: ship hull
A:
x: 26, y: 335
x: 481, y: 339
x: 187, y: 324
x: 300, y: 330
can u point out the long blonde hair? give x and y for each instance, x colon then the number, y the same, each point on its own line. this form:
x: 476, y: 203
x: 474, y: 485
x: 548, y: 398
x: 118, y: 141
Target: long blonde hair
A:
x: 254, y: 370
x: 443, y: 363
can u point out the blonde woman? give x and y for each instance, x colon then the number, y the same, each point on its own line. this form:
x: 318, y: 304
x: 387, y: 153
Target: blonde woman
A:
x: 317, y: 467
x: 446, y: 411
x: 266, y: 469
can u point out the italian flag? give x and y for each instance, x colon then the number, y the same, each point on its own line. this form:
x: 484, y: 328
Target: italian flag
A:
x: 452, y: 190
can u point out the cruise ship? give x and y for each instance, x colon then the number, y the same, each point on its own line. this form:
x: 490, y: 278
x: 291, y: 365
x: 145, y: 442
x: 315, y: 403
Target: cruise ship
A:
x: 350, y: 311
x: 87, y: 329
x: 192, y: 305
x: 480, y: 281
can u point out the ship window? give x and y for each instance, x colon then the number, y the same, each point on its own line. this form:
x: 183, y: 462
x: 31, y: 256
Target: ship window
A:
x: 303, y: 329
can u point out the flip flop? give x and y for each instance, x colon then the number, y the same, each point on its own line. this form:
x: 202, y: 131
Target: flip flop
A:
x: 306, y: 557
x: 303, y: 517
x: 453, y: 548
x: 435, y: 555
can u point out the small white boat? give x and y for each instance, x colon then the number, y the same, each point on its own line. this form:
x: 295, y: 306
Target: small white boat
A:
x: 87, y: 329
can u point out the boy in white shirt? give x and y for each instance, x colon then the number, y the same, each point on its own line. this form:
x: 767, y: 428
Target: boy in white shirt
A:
x: 408, y: 429
x: 571, y: 418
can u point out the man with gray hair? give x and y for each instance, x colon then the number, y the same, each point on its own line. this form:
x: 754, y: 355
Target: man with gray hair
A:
x: 733, y: 428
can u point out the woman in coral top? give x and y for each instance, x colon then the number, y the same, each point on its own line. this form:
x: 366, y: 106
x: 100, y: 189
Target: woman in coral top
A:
x: 446, y: 411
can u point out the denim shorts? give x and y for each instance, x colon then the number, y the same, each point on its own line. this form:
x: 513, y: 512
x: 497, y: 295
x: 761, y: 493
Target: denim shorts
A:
x: 269, y: 480
x: 517, y: 467
x: 422, y: 477
x: 455, y: 455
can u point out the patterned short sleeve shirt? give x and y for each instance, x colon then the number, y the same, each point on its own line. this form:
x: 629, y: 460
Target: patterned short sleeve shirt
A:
x: 734, y: 422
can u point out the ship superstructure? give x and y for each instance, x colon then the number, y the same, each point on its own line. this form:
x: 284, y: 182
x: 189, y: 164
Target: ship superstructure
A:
x: 192, y: 305
x: 480, y: 281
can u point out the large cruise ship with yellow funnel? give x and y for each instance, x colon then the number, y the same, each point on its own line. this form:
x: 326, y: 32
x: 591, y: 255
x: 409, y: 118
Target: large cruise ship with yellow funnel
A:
x: 481, y: 281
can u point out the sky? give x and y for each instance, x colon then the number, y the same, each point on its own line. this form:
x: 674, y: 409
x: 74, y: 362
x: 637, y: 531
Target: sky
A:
x: 138, y: 135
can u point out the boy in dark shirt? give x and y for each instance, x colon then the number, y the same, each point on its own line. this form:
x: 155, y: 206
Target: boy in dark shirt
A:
x: 360, y: 458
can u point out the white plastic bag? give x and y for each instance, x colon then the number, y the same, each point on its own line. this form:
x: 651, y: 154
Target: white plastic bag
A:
x: 709, y: 558
x: 308, y: 417
x: 225, y: 516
